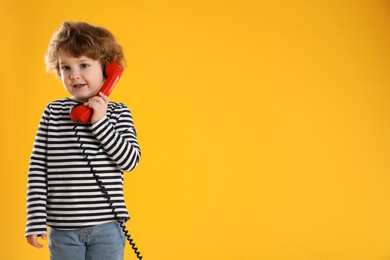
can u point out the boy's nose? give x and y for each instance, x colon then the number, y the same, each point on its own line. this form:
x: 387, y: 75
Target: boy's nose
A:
x: 74, y: 76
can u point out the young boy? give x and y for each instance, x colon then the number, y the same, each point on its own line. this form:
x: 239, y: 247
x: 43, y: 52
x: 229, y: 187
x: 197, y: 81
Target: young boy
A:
x: 62, y: 190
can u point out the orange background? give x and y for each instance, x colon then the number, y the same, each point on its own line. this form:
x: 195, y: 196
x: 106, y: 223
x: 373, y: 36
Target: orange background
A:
x: 264, y: 125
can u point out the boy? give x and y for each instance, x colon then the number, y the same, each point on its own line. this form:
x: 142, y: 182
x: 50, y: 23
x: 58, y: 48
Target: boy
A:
x: 62, y: 191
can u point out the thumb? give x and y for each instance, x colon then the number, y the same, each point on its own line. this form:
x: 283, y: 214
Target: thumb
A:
x: 44, y: 236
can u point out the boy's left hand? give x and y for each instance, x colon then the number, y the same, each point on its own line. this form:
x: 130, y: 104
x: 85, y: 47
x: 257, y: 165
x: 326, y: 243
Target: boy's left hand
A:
x: 33, y: 240
x: 99, y: 106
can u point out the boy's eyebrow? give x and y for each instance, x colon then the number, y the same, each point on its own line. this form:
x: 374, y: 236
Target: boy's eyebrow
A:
x: 85, y: 59
x: 80, y: 60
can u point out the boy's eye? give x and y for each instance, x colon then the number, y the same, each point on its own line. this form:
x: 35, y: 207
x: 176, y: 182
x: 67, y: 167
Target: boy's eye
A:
x: 84, y: 65
x: 64, y: 68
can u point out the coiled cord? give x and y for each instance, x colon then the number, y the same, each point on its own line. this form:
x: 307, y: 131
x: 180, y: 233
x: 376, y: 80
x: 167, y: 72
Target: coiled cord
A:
x: 106, y: 195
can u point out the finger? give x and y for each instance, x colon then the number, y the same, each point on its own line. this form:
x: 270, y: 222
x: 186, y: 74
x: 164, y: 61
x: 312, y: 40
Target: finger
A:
x: 44, y: 236
x: 32, y: 240
x: 104, y: 97
x: 94, y: 104
x: 97, y: 99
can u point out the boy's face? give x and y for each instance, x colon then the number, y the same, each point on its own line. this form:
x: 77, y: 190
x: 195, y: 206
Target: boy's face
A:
x: 81, y: 76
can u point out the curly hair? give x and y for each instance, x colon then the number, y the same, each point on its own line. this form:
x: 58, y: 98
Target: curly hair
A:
x: 82, y: 39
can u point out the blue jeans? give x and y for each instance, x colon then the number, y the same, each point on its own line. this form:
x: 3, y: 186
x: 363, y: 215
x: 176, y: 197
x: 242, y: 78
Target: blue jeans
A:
x: 100, y: 242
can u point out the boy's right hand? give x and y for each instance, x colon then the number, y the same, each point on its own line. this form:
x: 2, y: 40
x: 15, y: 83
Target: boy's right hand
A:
x: 33, y: 240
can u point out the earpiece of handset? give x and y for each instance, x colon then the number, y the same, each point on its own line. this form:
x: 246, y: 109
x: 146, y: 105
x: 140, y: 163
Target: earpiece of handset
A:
x: 81, y: 113
x: 113, y: 72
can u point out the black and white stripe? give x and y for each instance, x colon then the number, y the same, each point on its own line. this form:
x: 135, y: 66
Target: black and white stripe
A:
x: 62, y: 192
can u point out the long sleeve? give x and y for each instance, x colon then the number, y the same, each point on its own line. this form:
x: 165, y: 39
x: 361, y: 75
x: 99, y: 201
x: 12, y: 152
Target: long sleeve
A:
x: 119, y: 139
x: 37, y: 181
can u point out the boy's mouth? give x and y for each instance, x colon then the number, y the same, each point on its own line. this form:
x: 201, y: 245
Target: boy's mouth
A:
x: 79, y: 85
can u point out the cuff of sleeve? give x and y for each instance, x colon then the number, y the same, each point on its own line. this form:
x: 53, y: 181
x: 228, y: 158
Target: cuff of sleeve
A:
x: 38, y: 233
x: 99, y: 123
x: 102, y: 130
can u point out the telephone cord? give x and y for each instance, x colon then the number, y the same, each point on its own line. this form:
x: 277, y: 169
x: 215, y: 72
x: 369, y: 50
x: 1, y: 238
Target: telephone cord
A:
x: 106, y: 195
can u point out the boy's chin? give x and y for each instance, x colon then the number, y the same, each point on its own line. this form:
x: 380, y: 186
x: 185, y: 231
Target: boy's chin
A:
x: 80, y: 99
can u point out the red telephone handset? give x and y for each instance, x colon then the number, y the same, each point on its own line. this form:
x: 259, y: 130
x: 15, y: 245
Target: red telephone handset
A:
x: 81, y: 113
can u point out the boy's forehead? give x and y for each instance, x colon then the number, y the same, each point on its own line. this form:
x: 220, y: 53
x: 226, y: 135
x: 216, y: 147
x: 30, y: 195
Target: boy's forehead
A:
x: 63, y: 58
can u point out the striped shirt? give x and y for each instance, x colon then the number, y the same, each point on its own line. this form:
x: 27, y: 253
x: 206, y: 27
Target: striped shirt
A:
x: 62, y: 191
